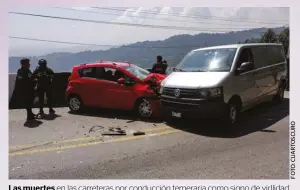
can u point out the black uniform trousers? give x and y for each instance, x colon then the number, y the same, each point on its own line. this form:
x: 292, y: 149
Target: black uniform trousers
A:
x: 41, y: 95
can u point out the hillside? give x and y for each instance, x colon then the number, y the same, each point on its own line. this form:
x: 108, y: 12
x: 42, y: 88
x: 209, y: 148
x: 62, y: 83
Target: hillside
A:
x: 144, y: 57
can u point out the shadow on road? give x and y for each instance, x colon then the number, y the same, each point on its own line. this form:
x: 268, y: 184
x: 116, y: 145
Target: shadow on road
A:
x: 257, y: 119
x: 32, y: 123
x: 117, y: 114
x: 49, y: 117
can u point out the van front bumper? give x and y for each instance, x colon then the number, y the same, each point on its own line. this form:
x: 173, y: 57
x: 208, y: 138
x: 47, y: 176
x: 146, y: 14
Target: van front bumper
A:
x: 193, y: 108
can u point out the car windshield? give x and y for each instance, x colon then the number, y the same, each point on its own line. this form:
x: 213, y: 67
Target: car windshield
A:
x: 137, y: 71
x: 212, y: 60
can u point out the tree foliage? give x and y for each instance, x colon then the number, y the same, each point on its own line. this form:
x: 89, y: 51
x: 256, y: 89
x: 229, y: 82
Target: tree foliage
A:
x: 284, y: 38
x: 269, y: 37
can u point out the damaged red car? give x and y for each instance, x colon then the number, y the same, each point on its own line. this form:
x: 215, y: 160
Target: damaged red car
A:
x: 114, y: 85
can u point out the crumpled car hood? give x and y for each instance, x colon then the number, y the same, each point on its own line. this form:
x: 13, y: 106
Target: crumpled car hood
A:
x: 158, y: 78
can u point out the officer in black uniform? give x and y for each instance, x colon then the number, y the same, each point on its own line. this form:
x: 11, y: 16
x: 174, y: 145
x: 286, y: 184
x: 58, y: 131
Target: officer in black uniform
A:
x: 159, y: 67
x: 44, y: 76
x: 25, y: 87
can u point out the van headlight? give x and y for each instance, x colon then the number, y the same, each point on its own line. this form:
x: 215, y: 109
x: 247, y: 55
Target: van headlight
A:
x: 210, y: 92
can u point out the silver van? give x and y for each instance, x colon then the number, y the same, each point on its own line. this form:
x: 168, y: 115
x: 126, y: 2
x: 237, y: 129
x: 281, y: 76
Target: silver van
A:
x: 224, y: 81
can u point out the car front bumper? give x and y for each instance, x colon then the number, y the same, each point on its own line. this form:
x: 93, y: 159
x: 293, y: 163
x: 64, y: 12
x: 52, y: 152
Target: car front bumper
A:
x: 191, y: 108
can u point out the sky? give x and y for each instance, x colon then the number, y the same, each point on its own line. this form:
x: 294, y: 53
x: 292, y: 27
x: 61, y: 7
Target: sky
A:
x: 201, y: 19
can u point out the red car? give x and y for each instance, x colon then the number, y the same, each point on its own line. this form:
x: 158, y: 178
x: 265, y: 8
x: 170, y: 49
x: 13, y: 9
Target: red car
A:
x: 114, y: 85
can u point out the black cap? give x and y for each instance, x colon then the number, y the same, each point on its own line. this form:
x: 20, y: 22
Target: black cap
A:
x: 42, y: 62
x: 159, y: 57
x: 24, y: 61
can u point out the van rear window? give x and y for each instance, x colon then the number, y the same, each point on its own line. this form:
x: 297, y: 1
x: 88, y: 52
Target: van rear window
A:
x: 275, y: 55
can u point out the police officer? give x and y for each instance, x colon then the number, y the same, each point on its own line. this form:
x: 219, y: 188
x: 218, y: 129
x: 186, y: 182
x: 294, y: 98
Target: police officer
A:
x: 44, y: 76
x: 25, y: 87
x: 159, y: 67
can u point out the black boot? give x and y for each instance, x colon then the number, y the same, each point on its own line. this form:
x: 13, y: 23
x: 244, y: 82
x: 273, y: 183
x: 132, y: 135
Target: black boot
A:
x: 30, y: 116
x: 41, y: 112
x: 51, y: 111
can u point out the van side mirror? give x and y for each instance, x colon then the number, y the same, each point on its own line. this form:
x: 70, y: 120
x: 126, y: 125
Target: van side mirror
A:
x: 121, y: 80
x: 246, y: 66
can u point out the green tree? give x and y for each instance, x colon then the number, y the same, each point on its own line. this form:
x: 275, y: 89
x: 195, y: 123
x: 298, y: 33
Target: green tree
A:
x: 252, y: 40
x: 284, y: 39
x: 269, y: 37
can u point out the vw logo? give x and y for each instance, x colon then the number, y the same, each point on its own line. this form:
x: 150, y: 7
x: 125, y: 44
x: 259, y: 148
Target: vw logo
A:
x: 177, y: 93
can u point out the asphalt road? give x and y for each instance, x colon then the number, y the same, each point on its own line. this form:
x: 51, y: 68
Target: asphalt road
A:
x: 73, y: 147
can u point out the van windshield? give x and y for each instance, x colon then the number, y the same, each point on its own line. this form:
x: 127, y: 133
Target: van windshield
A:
x: 212, y: 60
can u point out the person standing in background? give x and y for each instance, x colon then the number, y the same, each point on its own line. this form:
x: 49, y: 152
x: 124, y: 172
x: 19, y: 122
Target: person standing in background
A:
x: 44, y: 76
x: 159, y: 67
x: 25, y: 87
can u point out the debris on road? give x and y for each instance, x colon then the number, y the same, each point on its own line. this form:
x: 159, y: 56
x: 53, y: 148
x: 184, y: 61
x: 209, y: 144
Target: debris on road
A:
x: 114, y: 131
x: 96, y: 128
x: 139, y: 133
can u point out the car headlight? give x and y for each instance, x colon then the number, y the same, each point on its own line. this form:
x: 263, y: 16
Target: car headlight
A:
x: 161, y: 89
x: 210, y: 93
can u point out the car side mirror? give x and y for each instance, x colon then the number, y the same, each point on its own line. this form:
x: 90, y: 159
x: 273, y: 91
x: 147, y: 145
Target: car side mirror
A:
x: 246, y: 66
x: 121, y: 80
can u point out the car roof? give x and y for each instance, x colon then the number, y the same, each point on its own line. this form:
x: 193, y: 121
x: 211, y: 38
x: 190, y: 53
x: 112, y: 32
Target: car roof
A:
x: 106, y: 63
x: 238, y: 46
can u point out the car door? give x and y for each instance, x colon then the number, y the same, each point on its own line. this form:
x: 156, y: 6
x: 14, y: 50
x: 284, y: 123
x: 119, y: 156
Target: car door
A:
x: 118, y: 96
x: 246, y: 83
x: 91, y: 88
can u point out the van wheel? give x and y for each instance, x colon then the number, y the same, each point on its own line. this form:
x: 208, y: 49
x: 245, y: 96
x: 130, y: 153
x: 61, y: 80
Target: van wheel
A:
x: 232, y: 114
x: 278, y: 98
x: 144, y: 108
x: 75, y: 104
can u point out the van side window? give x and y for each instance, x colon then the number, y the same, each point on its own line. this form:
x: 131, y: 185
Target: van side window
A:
x: 245, y: 56
x: 87, y: 72
x: 260, y: 58
x: 275, y: 55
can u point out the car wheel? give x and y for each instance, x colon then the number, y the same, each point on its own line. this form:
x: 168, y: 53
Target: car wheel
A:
x: 75, y: 104
x: 144, y: 108
x: 232, y: 114
x: 280, y: 94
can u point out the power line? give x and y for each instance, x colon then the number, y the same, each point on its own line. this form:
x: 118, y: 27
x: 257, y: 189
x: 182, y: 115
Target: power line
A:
x: 101, y: 45
x: 61, y: 42
x: 125, y: 24
x: 151, y: 18
x: 194, y: 16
